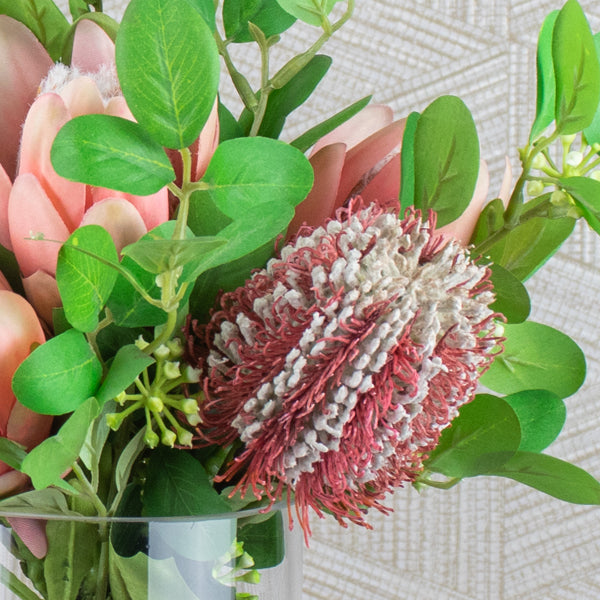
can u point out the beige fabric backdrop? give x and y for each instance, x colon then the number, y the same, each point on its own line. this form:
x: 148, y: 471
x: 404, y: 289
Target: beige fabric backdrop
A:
x: 485, y: 539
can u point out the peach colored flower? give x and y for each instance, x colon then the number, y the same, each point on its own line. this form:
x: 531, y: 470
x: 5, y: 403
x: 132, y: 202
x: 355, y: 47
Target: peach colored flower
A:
x: 19, y: 329
x: 362, y: 158
x: 41, y: 202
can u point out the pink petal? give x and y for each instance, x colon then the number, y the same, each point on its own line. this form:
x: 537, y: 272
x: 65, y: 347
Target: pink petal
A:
x: 119, y: 218
x: 30, y: 212
x: 12, y: 482
x: 366, y: 155
x: 370, y: 119
x: 153, y: 209
x: 42, y: 291
x: 82, y: 97
x: 19, y: 328
x: 117, y: 107
x: 462, y: 228
x: 206, y: 144
x: 92, y: 47
x: 27, y: 427
x: 384, y: 188
x: 31, y: 531
x: 24, y: 64
x: 5, y: 187
x: 4, y: 285
x: 327, y: 164
x: 46, y: 116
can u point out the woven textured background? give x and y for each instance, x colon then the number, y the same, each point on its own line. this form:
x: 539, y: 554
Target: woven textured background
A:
x: 484, y: 539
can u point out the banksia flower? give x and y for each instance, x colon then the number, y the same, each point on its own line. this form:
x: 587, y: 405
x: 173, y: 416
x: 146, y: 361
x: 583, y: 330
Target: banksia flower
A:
x: 339, y: 364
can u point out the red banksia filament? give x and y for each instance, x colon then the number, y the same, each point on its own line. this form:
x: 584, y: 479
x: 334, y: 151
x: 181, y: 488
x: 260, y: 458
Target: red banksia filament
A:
x: 340, y: 363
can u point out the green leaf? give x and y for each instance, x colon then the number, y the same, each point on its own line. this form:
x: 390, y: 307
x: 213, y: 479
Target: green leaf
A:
x: 585, y: 192
x: 59, y: 375
x: 478, y: 440
x: 314, y: 134
x: 512, y: 299
x: 178, y: 485
x: 111, y: 152
x: 446, y: 159
x: 252, y: 187
x: 49, y: 501
x: 44, y: 19
x: 576, y: 69
x: 592, y: 132
x: 541, y: 416
x: 10, y: 269
x: 168, y: 67
x: 407, y: 170
x: 309, y: 11
x: 128, y: 575
x: 157, y: 256
x: 490, y: 220
x: 552, y: 476
x: 267, y: 15
x: 536, y: 356
x: 84, y: 282
x: 73, y: 553
x: 206, y: 9
x: 527, y: 247
x: 228, y: 125
x: 108, y: 24
x: 293, y: 94
x: 128, y: 457
x: 12, y: 453
x: 48, y: 461
x: 128, y: 363
x: 546, y: 83
x: 264, y: 541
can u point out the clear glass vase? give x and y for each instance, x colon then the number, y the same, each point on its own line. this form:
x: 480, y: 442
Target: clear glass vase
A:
x: 234, y: 556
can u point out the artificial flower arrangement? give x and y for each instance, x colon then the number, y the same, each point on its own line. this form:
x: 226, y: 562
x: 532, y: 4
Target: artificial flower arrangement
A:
x: 197, y: 317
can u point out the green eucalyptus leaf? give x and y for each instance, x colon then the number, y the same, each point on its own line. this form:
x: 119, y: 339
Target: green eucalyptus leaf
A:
x: 314, y: 134
x: 127, y: 364
x: 78, y: 8
x: 529, y: 245
x: 84, y: 282
x: 264, y: 541
x: 536, y: 356
x: 157, y: 256
x: 576, y: 70
x: 293, y: 94
x: 546, y: 83
x: 407, y: 170
x: 512, y: 299
x: 59, y: 375
x: 446, y: 159
x: 111, y: 152
x: 12, y: 453
x: 480, y: 439
x: 592, y: 132
x: 228, y: 125
x: 490, y: 220
x: 586, y: 193
x: 309, y: 11
x: 44, y: 19
x: 168, y: 67
x: 177, y: 485
x: 10, y: 269
x: 69, y: 562
x: 206, y: 9
x: 49, y: 501
x: 48, y: 461
x: 552, y: 476
x: 541, y: 416
x: 267, y: 15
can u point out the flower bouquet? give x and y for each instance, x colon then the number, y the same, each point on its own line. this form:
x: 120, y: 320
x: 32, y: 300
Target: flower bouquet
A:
x: 203, y: 323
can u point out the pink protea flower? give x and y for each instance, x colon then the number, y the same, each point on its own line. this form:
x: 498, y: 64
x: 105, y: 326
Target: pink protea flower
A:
x: 340, y: 363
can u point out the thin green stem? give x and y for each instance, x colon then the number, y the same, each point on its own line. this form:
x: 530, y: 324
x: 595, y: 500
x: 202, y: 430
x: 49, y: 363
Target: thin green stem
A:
x: 89, y: 490
x: 440, y: 485
x: 165, y: 334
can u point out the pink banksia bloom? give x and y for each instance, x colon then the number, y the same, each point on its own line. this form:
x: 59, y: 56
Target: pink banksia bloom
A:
x: 339, y: 364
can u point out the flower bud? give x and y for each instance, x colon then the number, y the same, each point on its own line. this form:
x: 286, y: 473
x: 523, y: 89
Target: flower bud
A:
x: 162, y: 352
x: 155, y: 404
x: 141, y: 343
x: 114, y: 420
x: 121, y: 397
x: 539, y: 162
x: 535, y: 188
x: 595, y: 175
x: 194, y: 420
x: 185, y: 437
x: 171, y: 370
x: 175, y: 347
x: 191, y: 374
x: 169, y: 438
x: 574, y: 158
x: 189, y: 406
x: 151, y: 439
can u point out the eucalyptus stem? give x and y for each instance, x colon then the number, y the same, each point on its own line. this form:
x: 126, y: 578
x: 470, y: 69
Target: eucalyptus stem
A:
x: 440, y: 485
x: 89, y: 490
x: 165, y: 334
x: 102, y: 579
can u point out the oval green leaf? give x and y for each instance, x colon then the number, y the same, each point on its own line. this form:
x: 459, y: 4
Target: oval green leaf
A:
x: 586, y: 193
x: 267, y: 15
x: 59, y: 375
x: 512, y: 299
x: 168, y: 67
x: 536, y: 356
x: 84, y: 282
x: 309, y: 11
x: 111, y: 152
x: 576, y: 69
x: 482, y: 437
x: 446, y: 159
x: 541, y: 416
